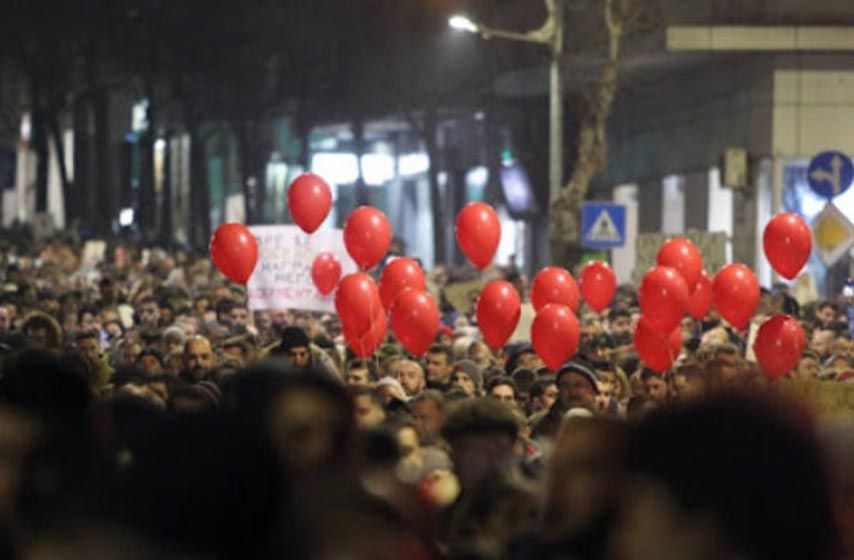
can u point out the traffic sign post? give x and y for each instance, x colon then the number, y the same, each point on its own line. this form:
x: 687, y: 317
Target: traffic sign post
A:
x: 603, y: 225
x: 830, y: 174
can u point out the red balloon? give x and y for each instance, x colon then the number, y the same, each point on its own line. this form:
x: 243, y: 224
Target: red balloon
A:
x: 663, y: 298
x: 787, y: 241
x: 234, y: 251
x: 478, y: 233
x: 555, y: 333
x: 357, y: 302
x: 598, y: 285
x: 658, y: 351
x: 498, y: 310
x: 368, y: 342
x: 400, y: 275
x: 779, y: 345
x: 325, y: 272
x: 736, y: 294
x: 415, y: 321
x: 309, y: 201
x: 554, y: 285
x: 681, y: 254
x: 367, y: 235
x: 702, y: 297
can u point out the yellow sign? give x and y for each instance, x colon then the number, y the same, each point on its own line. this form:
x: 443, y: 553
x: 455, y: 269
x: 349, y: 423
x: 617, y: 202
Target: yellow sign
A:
x: 833, y: 233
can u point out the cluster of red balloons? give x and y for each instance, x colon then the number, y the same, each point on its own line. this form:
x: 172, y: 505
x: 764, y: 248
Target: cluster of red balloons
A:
x: 675, y: 286
x: 414, y: 314
x: 555, y: 332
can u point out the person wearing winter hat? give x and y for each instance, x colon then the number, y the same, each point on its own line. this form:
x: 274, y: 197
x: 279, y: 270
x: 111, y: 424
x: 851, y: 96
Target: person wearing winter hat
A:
x: 577, y: 388
x: 468, y: 377
x: 295, y: 347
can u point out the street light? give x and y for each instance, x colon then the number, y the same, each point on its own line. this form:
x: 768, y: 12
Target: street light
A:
x: 551, y: 35
x: 462, y: 23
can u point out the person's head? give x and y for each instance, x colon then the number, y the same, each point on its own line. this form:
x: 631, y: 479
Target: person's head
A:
x: 5, y: 319
x: 479, y: 353
x: 688, y: 382
x: 843, y: 346
x: 199, y: 357
x: 482, y: 434
x: 88, y: 319
x: 151, y: 361
x: 428, y: 410
x: 726, y: 352
x: 295, y: 347
x: 108, y: 289
x: 223, y: 311
x: 576, y: 385
x: 149, y: 312
x: 467, y: 376
x: 718, y: 477
x: 239, y: 317
x: 822, y: 340
x: 174, y: 363
x: 502, y: 388
x: 656, y: 386
x: 129, y: 349
x: 584, y: 477
x: 42, y: 331
x: 523, y: 357
x: 440, y: 364
x: 825, y: 313
x: 411, y: 376
x: 807, y: 368
x: 722, y: 374
x: 172, y: 340
x: 620, y: 323
x: 544, y: 393
x: 239, y: 348
x: 367, y: 407
x: 606, y: 384
x: 361, y: 373
x: 88, y: 343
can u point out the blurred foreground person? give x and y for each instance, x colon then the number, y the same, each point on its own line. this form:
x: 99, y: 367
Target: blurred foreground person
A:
x: 495, y: 505
x: 730, y: 477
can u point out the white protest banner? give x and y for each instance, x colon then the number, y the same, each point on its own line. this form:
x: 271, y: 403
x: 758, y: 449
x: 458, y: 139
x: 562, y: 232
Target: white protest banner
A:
x: 282, y: 278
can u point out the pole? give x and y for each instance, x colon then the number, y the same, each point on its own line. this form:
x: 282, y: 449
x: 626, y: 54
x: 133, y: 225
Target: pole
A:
x: 556, y: 105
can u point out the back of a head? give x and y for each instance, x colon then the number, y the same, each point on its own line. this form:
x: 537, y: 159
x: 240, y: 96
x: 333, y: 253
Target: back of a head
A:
x: 480, y: 417
x: 751, y: 464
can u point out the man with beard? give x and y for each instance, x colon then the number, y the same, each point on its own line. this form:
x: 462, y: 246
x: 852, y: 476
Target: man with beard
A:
x: 577, y: 388
x: 199, y: 359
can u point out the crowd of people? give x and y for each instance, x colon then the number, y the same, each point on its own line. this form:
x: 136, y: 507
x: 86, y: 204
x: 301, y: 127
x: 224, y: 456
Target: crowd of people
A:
x: 146, y: 412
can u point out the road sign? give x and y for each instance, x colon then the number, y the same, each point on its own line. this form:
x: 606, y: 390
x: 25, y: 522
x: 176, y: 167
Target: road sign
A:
x: 833, y: 233
x: 830, y: 174
x: 603, y: 225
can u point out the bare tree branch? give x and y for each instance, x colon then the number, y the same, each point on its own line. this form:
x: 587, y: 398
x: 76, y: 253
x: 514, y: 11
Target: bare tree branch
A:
x: 592, y: 155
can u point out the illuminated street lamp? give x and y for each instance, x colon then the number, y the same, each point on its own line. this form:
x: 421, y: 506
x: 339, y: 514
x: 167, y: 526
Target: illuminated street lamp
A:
x: 551, y: 35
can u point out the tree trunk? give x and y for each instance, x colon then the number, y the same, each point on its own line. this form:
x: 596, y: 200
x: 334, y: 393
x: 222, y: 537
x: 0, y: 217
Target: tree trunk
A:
x: 358, y: 128
x: 105, y: 192
x: 592, y: 155
x: 166, y: 237
x: 200, y: 205
x: 40, y: 146
x: 429, y: 132
x: 147, y: 202
x: 70, y: 201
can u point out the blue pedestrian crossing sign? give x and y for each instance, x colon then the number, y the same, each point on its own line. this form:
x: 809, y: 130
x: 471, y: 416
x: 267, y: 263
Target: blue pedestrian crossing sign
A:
x: 830, y: 174
x: 603, y: 225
